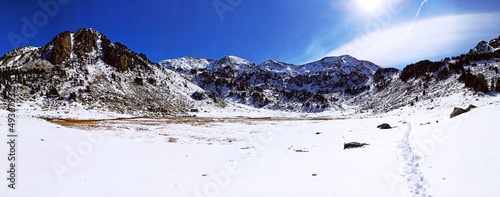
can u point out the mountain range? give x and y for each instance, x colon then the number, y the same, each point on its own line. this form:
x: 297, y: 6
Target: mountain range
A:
x: 86, y: 68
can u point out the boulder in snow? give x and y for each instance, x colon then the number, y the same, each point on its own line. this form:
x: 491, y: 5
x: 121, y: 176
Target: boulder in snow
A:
x: 354, y: 145
x: 457, y: 111
x: 384, y: 126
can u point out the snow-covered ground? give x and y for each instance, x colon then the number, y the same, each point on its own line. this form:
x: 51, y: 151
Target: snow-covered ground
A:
x: 244, y: 152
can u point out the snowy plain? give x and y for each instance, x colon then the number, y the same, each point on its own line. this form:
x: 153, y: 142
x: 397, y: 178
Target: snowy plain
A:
x: 240, y: 151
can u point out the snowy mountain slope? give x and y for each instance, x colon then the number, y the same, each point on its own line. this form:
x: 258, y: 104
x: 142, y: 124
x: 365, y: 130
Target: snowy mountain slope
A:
x: 277, y: 85
x: 342, y: 83
x: 467, y: 74
x: 87, y: 68
x: 186, y: 64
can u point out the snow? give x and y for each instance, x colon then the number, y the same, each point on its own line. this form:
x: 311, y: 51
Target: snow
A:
x: 186, y: 63
x: 242, y: 151
x: 72, y: 55
x: 277, y: 78
x: 465, y: 157
x: 344, y: 63
x: 99, y: 46
x: 278, y: 67
x: 237, y: 60
x: 72, y: 110
x: 233, y: 62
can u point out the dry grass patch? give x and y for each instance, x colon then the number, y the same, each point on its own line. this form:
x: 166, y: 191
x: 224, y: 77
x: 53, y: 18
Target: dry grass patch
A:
x: 172, y: 140
x: 145, y: 122
x: 73, y: 122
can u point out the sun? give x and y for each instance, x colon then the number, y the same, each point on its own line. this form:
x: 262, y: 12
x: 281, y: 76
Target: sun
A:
x: 370, y: 5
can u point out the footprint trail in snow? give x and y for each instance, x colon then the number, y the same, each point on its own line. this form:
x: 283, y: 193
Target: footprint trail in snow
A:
x: 412, y: 174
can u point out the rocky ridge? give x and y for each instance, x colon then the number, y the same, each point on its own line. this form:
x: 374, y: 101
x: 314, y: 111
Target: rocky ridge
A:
x: 86, y: 68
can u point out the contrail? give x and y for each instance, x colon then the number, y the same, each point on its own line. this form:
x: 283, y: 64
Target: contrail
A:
x: 416, y: 16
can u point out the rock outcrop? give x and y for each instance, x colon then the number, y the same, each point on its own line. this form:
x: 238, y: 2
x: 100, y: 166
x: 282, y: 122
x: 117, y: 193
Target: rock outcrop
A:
x: 62, y: 48
x: 384, y: 126
x: 87, y: 68
x: 458, y: 111
x: 354, y: 145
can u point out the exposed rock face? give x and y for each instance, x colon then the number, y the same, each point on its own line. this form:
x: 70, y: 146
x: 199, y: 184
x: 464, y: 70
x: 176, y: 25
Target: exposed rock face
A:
x: 198, y: 96
x: 383, y: 77
x: 119, y: 56
x: 62, y: 48
x: 383, y: 74
x: 420, y: 70
x: 124, y: 63
x: 86, y: 42
x: 495, y: 43
x: 482, y: 47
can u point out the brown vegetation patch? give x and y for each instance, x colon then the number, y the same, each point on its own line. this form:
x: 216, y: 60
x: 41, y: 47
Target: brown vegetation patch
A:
x: 172, y: 140
x: 149, y: 121
x: 73, y: 122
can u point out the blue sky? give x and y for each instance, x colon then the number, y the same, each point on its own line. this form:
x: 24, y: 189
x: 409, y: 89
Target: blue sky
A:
x: 291, y: 31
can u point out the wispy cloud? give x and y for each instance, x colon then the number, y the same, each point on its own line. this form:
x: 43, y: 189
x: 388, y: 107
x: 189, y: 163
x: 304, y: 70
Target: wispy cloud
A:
x: 415, y: 19
x: 430, y: 38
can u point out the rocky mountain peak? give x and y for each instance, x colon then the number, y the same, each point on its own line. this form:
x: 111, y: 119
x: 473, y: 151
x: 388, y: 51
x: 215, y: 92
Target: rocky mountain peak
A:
x: 276, y: 66
x: 88, y: 46
x: 495, y: 43
x: 344, y: 58
x: 482, y: 47
x: 232, y: 63
x: 87, y: 68
x: 341, y: 64
x: 87, y: 41
x: 234, y: 60
x: 186, y: 63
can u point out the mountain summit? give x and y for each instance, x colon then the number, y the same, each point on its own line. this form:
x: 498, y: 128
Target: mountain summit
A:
x: 85, y: 67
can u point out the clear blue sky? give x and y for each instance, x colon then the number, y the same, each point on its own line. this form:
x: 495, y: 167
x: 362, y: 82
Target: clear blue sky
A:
x: 292, y: 31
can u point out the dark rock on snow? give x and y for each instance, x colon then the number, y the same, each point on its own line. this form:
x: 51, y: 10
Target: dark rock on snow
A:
x: 354, y: 145
x: 384, y: 126
x: 457, y: 111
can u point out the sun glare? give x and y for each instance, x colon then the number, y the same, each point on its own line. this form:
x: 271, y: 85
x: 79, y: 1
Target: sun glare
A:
x: 370, y: 5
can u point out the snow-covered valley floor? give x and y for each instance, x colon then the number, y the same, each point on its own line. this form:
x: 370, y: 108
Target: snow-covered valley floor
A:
x: 427, y: 154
